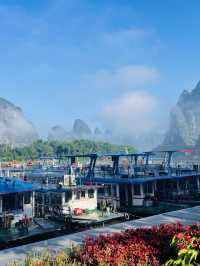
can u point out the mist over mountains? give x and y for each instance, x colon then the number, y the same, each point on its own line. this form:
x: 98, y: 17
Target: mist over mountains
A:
x: 15, y: 128
x: 183, y: 131
x: 80, y: 130
x: 184, y: 128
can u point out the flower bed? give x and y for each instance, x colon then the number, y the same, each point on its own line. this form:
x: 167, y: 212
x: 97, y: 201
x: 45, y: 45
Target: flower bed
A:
x: 162, y: 245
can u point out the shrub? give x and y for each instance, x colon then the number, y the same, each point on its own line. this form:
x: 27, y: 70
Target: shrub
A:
x: 135, y: 247
x: 144, y: 246
x: 47, y: 259
x: 187, y: 247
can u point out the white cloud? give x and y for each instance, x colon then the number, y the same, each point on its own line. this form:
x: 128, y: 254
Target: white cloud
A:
x: 125, y: 36
x: 133, y: 113
x: 125, y: 77
x: 132, y: 110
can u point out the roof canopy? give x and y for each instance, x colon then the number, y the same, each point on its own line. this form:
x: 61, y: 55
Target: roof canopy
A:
x: 14, y: 185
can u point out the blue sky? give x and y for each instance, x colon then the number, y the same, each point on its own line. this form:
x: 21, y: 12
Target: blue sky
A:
x: 120, y: 63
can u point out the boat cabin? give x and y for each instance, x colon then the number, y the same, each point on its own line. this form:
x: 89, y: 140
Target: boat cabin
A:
x: 16, y: 202
x: 135, y: 181
x: 64, y: 201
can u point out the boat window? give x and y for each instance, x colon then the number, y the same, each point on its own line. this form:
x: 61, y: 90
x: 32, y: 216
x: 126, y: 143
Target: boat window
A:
x: 46, y: 199
x: 56, y: 198
x: 114, y: 191
x: 69, y: 171
x: 12, y: 202
x: 78, y: 195
x: 101, y: 191
x: 90, y: 193
x: 148, y: 189
x: 183, y: 185
x: 27, y: 198
x: 108, y: 189
x: 137, y: 189
x: 39, y: 198
x: 82, y: 194
x: 68, y: 196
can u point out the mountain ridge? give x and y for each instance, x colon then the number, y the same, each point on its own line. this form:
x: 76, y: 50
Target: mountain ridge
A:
x: 15, y: 128
x: 184, y: 129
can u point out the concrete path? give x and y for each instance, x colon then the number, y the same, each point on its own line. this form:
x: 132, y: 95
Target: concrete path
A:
x: 185, y: 217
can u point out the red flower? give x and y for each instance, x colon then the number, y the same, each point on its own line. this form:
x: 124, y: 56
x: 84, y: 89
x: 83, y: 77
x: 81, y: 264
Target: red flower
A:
x: 180, y: 236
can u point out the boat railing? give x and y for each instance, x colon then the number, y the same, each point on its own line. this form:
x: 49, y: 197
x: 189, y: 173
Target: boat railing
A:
x: 183, y: 171
x: 13, y: 212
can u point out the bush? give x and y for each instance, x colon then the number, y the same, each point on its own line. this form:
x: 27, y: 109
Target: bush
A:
x: 47, y: 259
x: 144, y: 246
x: 187, y: 247
x: 154, y: 246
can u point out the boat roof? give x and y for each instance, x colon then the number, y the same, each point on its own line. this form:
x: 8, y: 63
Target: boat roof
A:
x: 68, y: 188
x: 10, y: 185
x: 121, y: 154
x: 136, y: 180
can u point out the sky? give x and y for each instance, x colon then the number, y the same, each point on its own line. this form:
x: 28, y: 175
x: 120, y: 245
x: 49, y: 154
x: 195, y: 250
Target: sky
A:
x: 119, y: 64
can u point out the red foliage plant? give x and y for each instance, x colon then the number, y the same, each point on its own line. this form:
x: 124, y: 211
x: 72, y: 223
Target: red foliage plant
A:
x: 190, y: 237
x: 143, y: 246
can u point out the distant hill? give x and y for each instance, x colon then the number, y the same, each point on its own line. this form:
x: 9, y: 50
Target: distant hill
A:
x: 58, y: 133
x: 15, y: 128
x: 81, y: 130
x: 184, y: 130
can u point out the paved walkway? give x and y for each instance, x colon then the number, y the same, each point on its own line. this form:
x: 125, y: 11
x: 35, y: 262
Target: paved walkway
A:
x: 185, y: 217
